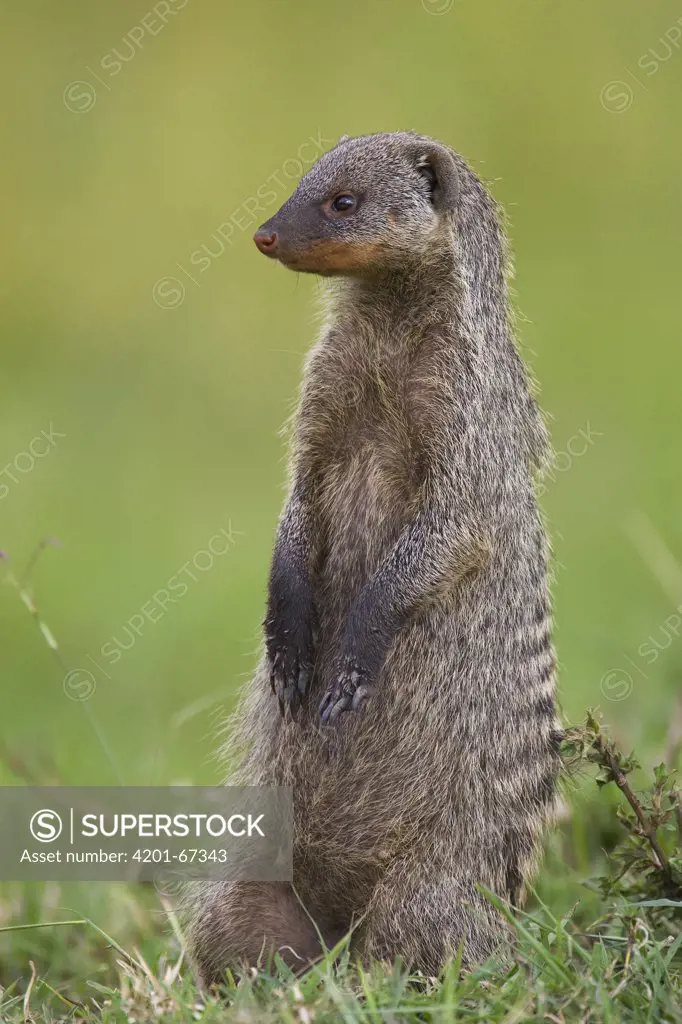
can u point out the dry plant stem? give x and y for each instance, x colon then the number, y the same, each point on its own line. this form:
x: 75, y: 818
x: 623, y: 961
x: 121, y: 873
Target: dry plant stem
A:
x: 28, y: 1016
x: 621, y: 781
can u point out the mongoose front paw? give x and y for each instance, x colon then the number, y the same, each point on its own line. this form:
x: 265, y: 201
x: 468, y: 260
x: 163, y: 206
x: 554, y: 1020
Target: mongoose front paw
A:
x: 290, y: 649
x: 348, y: 693
x: 290, y: 673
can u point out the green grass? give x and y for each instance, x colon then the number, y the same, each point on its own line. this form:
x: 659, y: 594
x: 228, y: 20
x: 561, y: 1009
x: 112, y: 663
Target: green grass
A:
x: 559, y: 973
x: 614, y: 953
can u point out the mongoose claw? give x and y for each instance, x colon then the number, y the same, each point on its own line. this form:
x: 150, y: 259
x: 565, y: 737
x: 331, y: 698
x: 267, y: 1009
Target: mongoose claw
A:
x: 361, y: 695
x: 303, y: 681
x: 331, y: 709
x: 348, y: 693
x: 289, y: 682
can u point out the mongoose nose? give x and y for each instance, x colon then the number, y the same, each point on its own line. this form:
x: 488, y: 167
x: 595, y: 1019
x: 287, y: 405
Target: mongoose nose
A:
x: 266, y: 242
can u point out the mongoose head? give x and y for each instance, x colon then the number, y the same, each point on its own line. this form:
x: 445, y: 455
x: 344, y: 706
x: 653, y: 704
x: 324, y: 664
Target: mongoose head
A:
x: 371, y: 204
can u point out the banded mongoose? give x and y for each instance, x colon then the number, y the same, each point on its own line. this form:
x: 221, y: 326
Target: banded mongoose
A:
x: 408, y: 628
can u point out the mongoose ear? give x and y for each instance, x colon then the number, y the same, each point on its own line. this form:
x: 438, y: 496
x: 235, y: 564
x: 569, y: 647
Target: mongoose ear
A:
x: 437, y: 165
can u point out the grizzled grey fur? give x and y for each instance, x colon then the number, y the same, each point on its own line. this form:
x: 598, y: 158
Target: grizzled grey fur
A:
x: 406, y: 689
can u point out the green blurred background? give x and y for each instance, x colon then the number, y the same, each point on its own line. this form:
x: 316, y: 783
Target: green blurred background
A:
x: 171, y: 409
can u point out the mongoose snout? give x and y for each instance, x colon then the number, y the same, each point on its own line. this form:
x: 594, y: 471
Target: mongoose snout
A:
x: 266, y: 242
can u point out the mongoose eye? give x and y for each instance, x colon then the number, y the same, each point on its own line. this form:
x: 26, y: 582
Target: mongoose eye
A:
x: 343, y: 203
